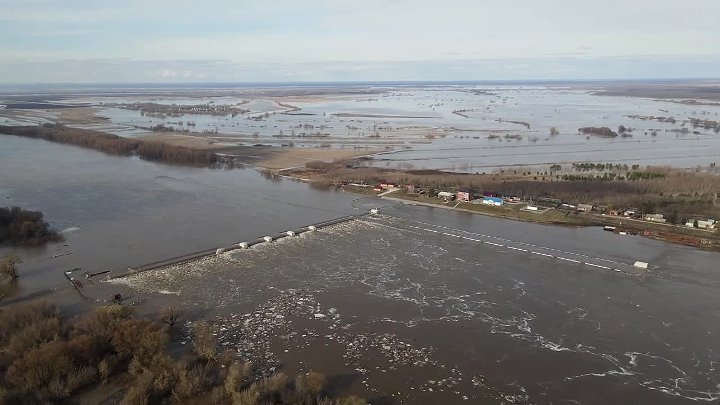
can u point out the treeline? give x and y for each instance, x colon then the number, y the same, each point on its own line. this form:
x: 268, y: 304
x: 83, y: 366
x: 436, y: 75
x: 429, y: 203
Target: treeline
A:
x: 46, y: 358
x: 113, y: 144
x: 22, y: 227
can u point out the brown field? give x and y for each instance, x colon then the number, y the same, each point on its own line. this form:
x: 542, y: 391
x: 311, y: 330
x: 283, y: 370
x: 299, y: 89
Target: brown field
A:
x: 80, y: 116
x: 298, y: 157
x: 188, y: 141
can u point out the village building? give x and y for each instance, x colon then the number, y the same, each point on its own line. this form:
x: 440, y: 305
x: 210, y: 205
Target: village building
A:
x: 494, y: 201
x: 446, y: 195
x: 464, y: 194
x: 655, y: 218
x: 584, y: 207
x: 706, y: 224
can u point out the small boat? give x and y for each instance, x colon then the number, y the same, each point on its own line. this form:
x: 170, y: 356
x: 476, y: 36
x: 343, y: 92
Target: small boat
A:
x: 609, y: 228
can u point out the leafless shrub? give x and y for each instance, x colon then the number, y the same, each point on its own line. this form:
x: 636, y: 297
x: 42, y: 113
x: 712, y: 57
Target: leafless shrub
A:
x: 190, y: 381
x: 104, y: 370
x: 204, y: 342
x: 139, y: 392
x: 139, y: 338
x: 239, y: 376
x: 170, y: 314
x: 8, y: 266
x: 351, y: 400
x: 34, y: 334
x: 309, y: 386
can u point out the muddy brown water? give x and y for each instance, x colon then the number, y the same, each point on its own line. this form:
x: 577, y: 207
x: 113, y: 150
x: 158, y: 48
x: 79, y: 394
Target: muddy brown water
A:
x: 406, y: 307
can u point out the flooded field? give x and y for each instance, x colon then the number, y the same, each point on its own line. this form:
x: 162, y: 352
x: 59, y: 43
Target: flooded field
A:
x: 467, y: 128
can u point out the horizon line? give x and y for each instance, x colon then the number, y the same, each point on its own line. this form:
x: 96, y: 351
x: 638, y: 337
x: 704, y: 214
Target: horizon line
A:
x: 367, y: 82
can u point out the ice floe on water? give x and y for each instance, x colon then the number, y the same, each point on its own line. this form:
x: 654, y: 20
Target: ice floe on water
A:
x: 427, y: 282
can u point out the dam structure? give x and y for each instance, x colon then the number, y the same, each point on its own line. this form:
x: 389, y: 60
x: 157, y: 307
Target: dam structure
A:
x: 238, y: 245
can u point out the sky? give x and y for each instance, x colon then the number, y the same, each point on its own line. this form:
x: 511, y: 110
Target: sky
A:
x: 159, y: 41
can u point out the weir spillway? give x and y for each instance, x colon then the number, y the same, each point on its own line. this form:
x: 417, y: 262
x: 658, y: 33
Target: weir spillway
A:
x: 238, y: 245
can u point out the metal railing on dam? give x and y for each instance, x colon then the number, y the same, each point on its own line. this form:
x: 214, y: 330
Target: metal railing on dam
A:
x: 240, y: 245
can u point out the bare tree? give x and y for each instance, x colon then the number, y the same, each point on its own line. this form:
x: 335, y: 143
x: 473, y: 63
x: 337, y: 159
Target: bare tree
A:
x: 170, y: 314
x: 8, y: 265
x: 204, y: 342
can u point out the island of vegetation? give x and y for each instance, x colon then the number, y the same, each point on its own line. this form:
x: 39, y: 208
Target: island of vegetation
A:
x: 174, y: 110
x: 598, y: 131
x: 110, y: 355
x: 23, y: 227
x: 113, y: 144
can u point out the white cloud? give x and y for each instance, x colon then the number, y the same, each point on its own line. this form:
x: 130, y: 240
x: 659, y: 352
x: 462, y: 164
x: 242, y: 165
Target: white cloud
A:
x: 361, y: 35
x: 167, y: 73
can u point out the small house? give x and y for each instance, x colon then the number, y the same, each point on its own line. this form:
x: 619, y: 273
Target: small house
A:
x: 464, y: 194
x: 410, y: 188
x: 706, y: 223
x: 584, y: 207
x: 655, y: 218
x: 445, y: 195
x: 386, y: 185
x: 494, y: 201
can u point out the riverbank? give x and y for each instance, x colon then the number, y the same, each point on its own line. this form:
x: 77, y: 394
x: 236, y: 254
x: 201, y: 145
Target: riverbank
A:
x: 614, y: 195
x: 550, y: 216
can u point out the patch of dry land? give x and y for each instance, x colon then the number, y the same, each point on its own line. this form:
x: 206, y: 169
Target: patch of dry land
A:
x: 80, y: 116
x: 188, y: 141
x: 287, y: 158
x: 269, y: 158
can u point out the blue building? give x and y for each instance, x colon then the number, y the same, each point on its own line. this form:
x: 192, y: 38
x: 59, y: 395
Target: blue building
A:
x: 495, y: 201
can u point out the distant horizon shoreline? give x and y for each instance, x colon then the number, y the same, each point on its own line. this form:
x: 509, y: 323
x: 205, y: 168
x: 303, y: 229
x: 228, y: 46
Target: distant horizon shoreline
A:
x: 358, y: 83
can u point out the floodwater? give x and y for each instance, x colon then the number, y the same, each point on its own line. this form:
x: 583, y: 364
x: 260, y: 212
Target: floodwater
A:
x: 117, y: 212
x: 412, y: 306
x: 466, y: 128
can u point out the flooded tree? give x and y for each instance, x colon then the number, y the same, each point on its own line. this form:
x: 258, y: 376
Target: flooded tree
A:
x: 24, y: 227
x: 8, y: 266
x: 170, y: 314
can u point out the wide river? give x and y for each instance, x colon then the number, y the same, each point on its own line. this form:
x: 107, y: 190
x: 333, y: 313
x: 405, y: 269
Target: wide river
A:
x: 410, y: 306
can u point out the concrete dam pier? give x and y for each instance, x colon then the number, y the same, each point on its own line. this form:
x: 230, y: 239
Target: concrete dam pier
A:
x: 239, y: 245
